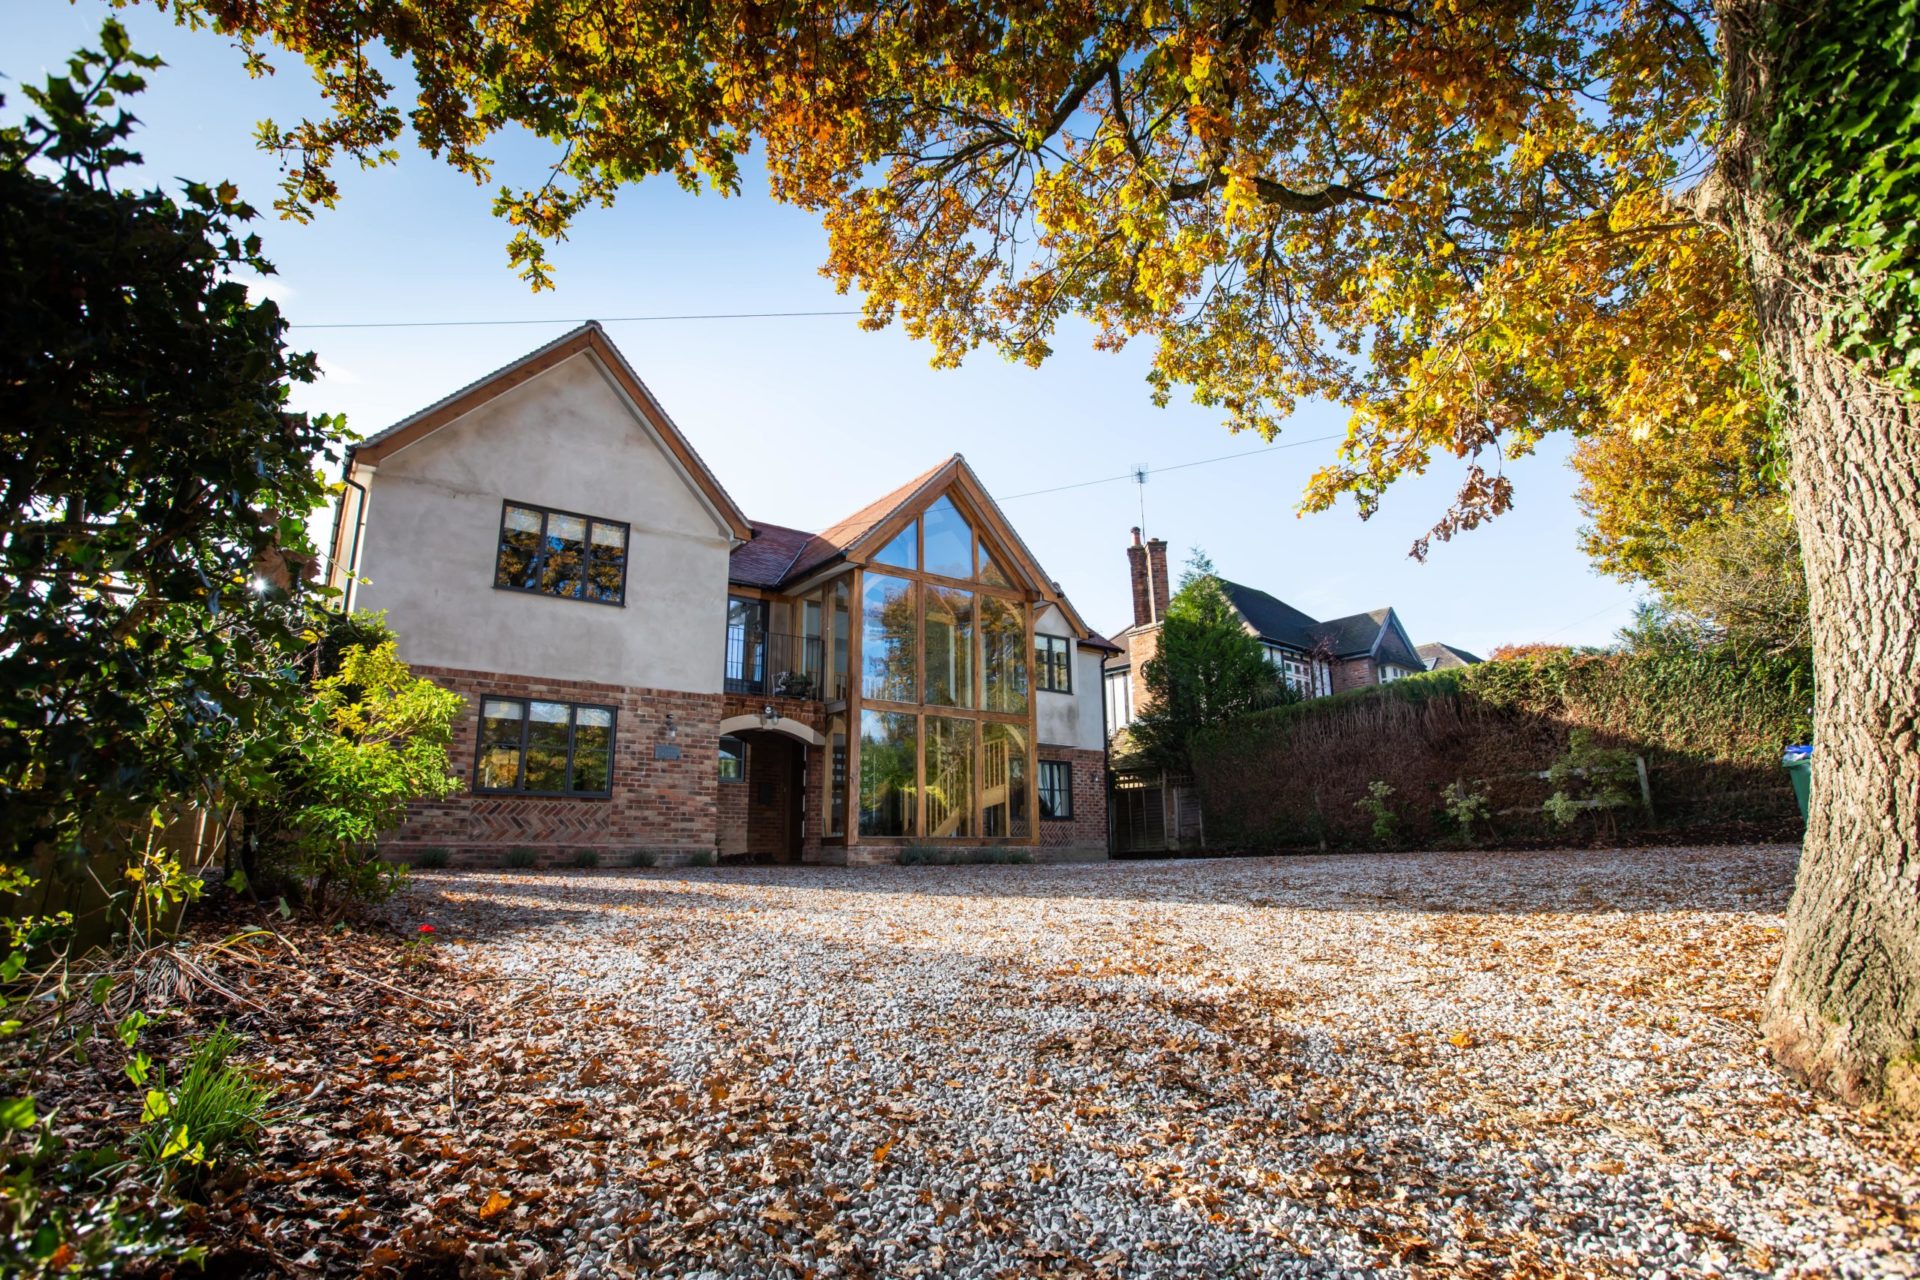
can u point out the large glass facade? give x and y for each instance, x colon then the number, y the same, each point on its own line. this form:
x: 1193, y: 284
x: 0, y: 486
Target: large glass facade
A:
x: 887, y: 646
x: 949, y: 778
x: 889, y: 758
x: 949, y: 633
x: 1003, y: 780
x: 1003, y: 654
x: 944, y: 736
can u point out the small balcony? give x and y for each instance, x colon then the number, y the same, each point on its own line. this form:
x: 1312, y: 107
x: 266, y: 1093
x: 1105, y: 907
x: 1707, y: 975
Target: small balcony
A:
x: 767, y: 662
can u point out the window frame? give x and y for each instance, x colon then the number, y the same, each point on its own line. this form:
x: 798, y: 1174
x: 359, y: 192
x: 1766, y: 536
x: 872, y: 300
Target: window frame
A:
x: 540, y: 559
x: 526, y: 702
x: 1063, y: 645
x: 739, y: 753
x: 1041, y: 790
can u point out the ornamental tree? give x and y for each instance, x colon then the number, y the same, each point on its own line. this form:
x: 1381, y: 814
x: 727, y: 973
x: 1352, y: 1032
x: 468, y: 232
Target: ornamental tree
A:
x: 1207, y: 669
x: 154, y: 485
x: 1468, y: 225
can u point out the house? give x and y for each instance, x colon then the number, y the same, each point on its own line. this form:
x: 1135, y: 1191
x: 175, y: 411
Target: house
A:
x: 1317, y: 658
x: 1153, y: 810
x: 649, y: 671
x: 1439, y: 657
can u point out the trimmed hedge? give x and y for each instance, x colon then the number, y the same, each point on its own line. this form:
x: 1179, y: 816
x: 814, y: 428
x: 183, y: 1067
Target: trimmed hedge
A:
x: 1709, y: 722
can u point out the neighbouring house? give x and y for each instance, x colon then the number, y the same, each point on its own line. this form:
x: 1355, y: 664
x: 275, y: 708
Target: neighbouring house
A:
x: 1317, y: 658
x: 1440, y: 657
x: 649, y: 671
x: 1155, y: 811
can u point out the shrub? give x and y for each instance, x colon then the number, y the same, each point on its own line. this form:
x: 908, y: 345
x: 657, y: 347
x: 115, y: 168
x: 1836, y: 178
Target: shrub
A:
x: 1374, y: 805
x: 432, y: 859
x: 643, y: 858
x: 522, y: 857
x: 703, y: 858
x: 215, y: 1114
x: 375, y: 739
x: 1465, y: 806
x: 585, y: 859
x: 1589, y: 776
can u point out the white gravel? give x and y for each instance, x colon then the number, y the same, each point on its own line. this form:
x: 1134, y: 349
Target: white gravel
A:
x: 1423, y: 1064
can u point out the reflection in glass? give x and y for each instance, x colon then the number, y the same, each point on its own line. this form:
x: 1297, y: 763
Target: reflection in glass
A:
x: 887, y: 638
x: 949, y: 670
x: 837, y: 777
x: 842, y: 633
x: 1003, y: 780
x: 949, y: 545
x: 888, y: 759
x: 989, y: 571
x: 500, y: 723
x: 607, y: 572
x: 562, y: 572
x: 900, y: 552
x: 592, y: 749
x: 519, y: 548
x: 1003, y: 647
x: 949, y: 777
x: 547, y: 747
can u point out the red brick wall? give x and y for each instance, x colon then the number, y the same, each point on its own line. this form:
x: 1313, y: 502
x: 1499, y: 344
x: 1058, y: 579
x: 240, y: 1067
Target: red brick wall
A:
x: 1087, y: 829
x: 1352, y: 674
x: 657, y: 805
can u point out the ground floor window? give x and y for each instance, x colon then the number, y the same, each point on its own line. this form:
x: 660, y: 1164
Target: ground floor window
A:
x: 942, y: 777
x: 1056, y: 789
x: 534, y: 747
x: 733, y: 760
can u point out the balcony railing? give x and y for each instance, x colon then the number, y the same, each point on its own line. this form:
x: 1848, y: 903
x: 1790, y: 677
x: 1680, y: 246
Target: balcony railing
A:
x: 763, y: 662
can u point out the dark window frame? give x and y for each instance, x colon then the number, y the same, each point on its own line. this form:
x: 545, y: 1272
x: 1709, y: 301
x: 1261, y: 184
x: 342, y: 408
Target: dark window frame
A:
x: 1060, y: 647
x: 526, y: 726
x: 1065, y: 792
x: 538, y: 567
x: 724, y: 754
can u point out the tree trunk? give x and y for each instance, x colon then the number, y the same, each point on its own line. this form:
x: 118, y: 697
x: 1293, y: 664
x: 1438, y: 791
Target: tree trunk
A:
x: 1844, y: 1009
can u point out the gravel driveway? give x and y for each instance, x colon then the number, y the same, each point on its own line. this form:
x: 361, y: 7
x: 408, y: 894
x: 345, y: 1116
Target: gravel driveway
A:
x: 1516, y: 1063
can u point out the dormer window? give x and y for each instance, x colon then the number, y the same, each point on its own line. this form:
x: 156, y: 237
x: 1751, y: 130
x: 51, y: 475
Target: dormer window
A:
x: 560, y: 553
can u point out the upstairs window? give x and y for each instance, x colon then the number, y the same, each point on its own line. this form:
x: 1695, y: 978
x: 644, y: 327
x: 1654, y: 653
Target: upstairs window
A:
x: 1053, y: 663
x: 558, y: 553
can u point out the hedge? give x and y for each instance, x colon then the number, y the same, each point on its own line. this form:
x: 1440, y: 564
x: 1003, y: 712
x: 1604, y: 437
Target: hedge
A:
x: 1709, y: 723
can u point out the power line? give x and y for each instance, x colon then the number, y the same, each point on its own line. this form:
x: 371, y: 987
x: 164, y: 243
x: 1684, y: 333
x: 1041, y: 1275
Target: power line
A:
x: 1178, y: 466
x: 455, y: 324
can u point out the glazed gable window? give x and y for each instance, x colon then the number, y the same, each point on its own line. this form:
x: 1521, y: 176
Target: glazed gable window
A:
x: 544, y: 748
x: 559, y: 553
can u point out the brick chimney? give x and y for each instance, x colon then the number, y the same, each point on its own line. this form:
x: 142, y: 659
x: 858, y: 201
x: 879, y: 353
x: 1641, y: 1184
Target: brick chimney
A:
x: 1142, y: 597
x: 1157, y: 575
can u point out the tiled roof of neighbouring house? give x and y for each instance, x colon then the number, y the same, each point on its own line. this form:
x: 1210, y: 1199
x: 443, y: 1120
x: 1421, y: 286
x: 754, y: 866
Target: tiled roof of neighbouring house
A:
x: 1353, y: 634
x: 1438, y: 656
x: 1275, y: 620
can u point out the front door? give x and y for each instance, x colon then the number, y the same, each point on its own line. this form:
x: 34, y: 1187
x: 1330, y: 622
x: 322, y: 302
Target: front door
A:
x: 776, y: 789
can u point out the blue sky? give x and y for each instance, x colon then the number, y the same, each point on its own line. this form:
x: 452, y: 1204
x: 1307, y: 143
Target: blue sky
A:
x: 805, y: 420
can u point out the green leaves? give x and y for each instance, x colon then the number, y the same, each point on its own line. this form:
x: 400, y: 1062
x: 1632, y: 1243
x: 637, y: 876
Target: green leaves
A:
x: 17, y: 1113
x: 1844, y: 146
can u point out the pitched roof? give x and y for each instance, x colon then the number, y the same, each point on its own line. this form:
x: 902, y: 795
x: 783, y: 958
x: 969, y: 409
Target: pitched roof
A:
x: 1094, y: 640
x: 1273, y: 619
x: 1438, y: 656
x: 1354, y: 634
x: 835, y: 540
x: 766, y: 559
x: 589, y: 339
